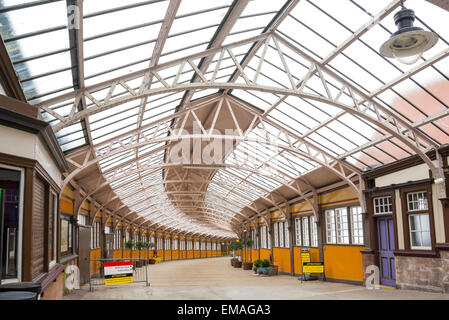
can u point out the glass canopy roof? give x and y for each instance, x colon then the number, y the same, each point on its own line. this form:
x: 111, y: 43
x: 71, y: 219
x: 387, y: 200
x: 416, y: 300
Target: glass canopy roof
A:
x: 115, y: 40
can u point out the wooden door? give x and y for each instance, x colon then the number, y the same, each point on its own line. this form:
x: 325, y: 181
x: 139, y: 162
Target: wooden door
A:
x: 385, y: 230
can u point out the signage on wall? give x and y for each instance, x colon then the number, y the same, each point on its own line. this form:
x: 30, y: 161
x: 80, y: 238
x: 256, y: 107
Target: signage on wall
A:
x: 305, y: 255
x: 309, y: 267
x: 313, y: 267
x: 118, y: 272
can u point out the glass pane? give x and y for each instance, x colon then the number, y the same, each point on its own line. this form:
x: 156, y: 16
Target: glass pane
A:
x: 9, y: 219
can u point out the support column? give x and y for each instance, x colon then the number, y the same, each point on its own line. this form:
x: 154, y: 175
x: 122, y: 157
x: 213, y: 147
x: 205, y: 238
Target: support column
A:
x: 321, y: 230
x: 163, y: 247
x: 289, y: 219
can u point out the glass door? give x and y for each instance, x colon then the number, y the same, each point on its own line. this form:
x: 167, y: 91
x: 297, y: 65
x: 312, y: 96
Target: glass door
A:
x: 10, y: 221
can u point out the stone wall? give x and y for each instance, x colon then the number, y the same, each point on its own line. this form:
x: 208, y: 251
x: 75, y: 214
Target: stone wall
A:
x: 425, y: 274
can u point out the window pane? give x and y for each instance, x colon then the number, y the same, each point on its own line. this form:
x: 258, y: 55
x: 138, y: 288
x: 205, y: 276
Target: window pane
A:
x: 330, y: 227
x: 305, y: 231
x: 298, y: 231
x: 417, y: 201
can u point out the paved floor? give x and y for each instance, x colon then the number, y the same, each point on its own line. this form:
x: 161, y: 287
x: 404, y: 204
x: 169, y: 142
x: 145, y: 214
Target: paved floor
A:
x: 215, y: 279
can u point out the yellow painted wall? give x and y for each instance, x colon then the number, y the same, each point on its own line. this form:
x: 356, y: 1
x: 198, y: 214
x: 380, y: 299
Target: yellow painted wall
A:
x: 343, y: 262
x: 95, y: 266
x: 203, y: 253
x: 69, y: 192
x: 342, y: 195
x: 281, y: 258
x: 160, y: 253
x: 314, y: 256
x: 302, y: 206
x: 167, y: 254
x: 127, y: 253
x: 135, y: 254
x: 189, y: 254
x: 175, y: 254
x: 66, y: 205
x: 85, y: 205
x: 117, y: 254
x: 255, y: 254
x: 265, y: 254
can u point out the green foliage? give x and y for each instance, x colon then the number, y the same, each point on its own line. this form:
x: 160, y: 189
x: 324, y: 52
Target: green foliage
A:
x: 257, y: 263
x: 265, y: 263
x: 235, y: 245
x: 129, y: 244
x: 140, y: 245
x: 247, y: 242
x: 150, y: 245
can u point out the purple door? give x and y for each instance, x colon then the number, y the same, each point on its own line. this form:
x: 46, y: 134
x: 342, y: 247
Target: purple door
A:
x: 385, y: 230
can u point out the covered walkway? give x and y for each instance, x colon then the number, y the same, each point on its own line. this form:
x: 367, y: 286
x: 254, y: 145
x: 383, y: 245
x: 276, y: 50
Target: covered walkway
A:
x: 215, y: 279
x: 308, y: 133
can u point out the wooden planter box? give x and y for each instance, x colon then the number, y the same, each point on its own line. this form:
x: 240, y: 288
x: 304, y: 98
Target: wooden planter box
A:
x: 247, y: 265
x: 274, y: 270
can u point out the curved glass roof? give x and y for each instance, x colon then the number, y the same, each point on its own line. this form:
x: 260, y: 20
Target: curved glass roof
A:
x: 118, y: 79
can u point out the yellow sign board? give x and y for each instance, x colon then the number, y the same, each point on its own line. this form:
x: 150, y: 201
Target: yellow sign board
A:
x: 305, y: 257
x: 118, y: 272
x: 118, y: 280
x: 313, y: 267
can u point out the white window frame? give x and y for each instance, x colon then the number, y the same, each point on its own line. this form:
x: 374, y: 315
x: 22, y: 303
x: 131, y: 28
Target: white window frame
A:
x: 263, y: 237
x: 342, y: 223
x: 305, y: 231
x: 356, y: 225
x: 417, y: 202
x: 331, y: 229
x: 281, y: 234
x: 167, y: 243
x: 286, y: 235
x: 298, y: 232
x: 420, y: 232
x: 382, y: 205
x: 276, y: 234
x: 313, y: 232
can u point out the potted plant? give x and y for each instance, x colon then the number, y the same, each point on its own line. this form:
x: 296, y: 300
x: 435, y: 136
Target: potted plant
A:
x: 129, y: 244
x: 265, y: 268
x: 139, y: 246
x: 256, y: 265
x: 151, y: 246
x: 235, y: 246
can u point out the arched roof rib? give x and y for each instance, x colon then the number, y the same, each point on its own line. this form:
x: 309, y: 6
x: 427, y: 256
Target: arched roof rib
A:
x: 307, y: 71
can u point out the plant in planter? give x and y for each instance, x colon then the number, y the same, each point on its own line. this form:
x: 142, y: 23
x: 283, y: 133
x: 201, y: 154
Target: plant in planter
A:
x: 150, y: 246
x: 256, y: 265
x: 265, y: 268
x: 235, y: 246
x: 129, y: 244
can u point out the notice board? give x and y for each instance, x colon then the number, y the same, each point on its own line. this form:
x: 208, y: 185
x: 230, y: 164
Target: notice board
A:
x: 118, y: 272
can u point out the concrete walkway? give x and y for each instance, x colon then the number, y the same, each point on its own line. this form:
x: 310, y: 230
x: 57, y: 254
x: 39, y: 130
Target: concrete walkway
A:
x: 215, y: 279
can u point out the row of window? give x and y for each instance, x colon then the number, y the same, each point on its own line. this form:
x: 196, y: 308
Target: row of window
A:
x: 343, y: 226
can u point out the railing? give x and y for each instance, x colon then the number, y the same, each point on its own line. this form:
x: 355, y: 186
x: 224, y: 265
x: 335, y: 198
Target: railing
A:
x: 97, y: 277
